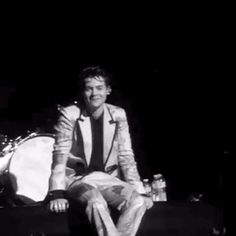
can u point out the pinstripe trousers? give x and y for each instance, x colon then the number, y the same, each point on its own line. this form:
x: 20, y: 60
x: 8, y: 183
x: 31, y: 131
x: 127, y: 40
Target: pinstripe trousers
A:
x: 99, y: 191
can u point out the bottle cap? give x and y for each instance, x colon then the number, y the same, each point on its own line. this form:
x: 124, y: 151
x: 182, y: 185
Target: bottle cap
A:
x: 145, y: 180
x: 157, y: 176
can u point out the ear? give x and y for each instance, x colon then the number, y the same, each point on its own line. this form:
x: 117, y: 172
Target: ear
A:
x: 109, y: 90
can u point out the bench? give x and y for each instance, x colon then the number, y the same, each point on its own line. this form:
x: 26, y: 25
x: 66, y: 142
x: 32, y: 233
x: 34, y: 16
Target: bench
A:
x: 164, y: 219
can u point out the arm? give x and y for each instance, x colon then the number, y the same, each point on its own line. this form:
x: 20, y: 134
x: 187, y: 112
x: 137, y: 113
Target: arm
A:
x: 62, y: 146
x: 127, y: 161
x: 126, y: 156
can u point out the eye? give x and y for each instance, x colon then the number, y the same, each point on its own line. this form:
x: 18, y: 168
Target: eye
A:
x: 100, y: 88
x: 87, y: 89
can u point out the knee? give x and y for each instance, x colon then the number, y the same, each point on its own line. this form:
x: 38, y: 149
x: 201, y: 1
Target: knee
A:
x: 96, y: 201
x: 79, y: 190
x: 91, y: 196
x: 87, y: 195
x: 137, y: 200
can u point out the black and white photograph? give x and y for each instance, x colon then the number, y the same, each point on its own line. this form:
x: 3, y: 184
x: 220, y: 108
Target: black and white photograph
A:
x: 108, y: 126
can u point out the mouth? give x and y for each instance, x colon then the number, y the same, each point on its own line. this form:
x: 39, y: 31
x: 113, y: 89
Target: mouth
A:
x: 94, y: 99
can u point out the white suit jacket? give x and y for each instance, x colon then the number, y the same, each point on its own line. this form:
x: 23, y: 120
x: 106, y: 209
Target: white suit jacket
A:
x: 73, y: 146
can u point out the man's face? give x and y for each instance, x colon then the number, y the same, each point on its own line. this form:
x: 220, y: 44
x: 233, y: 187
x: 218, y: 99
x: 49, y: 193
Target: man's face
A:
x: 95, y: 92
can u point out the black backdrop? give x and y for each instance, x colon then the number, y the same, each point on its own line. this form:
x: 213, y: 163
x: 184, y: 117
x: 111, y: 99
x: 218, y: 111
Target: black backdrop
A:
x: 162, y: 78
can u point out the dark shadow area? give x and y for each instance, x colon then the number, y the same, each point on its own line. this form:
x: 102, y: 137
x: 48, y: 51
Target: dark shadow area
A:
x: 8, y: 196
x: 78, y: 222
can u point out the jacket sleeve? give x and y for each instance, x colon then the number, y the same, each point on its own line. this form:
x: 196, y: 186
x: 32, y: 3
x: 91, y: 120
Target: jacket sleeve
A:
x: 126, y: 156
x: 61, y: 152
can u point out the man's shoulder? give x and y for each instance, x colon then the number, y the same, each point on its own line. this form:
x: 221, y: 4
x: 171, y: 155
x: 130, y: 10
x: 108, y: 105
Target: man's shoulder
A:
x: 72, y: 110
x: 116, y: 111
x: 114, y: 108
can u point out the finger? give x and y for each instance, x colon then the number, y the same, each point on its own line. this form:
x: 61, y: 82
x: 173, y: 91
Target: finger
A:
x: 64, y: 206
x: 67, y: 205
x: 56, y: 207
x: 150, y: 205
x: 51, y: 206
x: 61, y: 207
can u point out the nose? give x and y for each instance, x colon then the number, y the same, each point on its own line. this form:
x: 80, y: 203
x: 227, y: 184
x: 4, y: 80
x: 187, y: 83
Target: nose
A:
x: 94, y: 91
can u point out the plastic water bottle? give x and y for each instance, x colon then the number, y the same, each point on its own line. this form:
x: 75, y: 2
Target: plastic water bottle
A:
x: 147, y: 187
x: 158, y: 188
x: 155, y: 188
x: 162, y: 190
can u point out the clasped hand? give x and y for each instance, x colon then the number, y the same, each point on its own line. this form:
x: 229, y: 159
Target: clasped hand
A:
x: 148, y: 202
x: 59, y: 205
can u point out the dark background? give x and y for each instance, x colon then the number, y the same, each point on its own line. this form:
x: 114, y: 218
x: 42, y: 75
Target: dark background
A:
x: 163, y: 73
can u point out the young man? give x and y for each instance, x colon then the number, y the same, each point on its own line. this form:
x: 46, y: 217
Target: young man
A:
x: 92, y: 151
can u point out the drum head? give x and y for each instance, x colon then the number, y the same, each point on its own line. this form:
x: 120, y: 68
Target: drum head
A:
x: 30, y: 167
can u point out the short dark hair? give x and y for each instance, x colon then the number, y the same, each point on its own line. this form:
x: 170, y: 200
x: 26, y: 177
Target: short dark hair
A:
x: 94, y: 71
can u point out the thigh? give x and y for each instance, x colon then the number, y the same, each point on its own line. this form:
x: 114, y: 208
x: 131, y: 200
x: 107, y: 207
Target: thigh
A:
x: 119, y: 195
x: 89, y: 187
x: 83, y: 193
x: 115, y: 191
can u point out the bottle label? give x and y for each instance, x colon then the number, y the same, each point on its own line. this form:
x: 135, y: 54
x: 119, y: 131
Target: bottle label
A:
x: 159, y: 190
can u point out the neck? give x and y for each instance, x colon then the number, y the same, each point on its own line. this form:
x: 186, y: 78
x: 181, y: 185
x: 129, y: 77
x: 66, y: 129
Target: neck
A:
x: 97, y: 112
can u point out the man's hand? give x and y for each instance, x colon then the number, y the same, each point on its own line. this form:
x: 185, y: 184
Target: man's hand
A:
x: 59, y: 205
x: 148, y: 202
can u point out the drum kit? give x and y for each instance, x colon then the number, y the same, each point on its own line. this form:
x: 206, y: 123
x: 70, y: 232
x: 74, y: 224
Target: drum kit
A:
x: 25, y: 167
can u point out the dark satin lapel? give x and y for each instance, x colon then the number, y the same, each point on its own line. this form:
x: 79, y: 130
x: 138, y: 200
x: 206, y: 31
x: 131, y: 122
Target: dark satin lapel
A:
x: 108, y: 134
x: 85, y: 128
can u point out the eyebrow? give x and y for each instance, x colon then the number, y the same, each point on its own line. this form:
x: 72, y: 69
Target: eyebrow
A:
x: 97, y: 86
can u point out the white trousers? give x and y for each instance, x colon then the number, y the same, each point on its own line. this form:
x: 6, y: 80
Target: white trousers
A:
x: 98, y: 191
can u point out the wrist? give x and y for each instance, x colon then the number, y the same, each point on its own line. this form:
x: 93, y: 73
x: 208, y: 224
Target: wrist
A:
x: 55, y: 194
x: 145, y: 195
